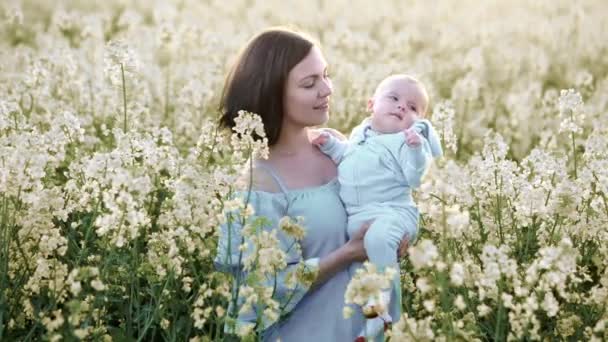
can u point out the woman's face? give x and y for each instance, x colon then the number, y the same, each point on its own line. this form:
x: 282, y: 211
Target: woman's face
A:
x: 307, y: 91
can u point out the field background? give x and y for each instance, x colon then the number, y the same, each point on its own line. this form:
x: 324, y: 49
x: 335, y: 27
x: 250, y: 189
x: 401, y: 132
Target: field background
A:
x: 113, y: 176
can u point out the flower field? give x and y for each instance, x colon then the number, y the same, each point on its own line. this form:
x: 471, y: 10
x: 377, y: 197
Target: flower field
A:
x: 114, y: 176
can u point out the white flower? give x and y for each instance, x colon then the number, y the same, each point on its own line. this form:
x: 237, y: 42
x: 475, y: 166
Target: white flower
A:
x: 249, y: 137
x: 119, y: 58
x: 245, y: 329
x: 583, y: 78
x: 423, y: 255
x: 82, y: 333
x: 457, y: 274
x: 443, y: 119
x: 53, y: 322
x: 14, y: 14
x: 220, y: 311
x: 423, y: 285
x: 75, y: 288
x: 457, y: 221
x: 271, y: 315
x: 483, y: 309
x: 569, y: 101
x: 570, y: 104
x: 459, y: 303
x: 550, y: 304
x: 268, y: 256
x: 97, y: 285
x: 368, y: 282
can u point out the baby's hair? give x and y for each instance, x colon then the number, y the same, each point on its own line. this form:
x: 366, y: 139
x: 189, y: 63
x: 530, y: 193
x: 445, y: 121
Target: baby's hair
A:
x: 407, y: 78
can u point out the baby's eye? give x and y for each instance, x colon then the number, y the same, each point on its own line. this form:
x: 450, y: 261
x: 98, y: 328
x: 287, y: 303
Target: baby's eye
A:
x: 413, y: 108
x: 394, y: 98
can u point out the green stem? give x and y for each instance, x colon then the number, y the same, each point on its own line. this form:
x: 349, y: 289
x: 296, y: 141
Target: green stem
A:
x: 124, y: 97
x: 574, y: 154
x: 167, y: 79
x: 87, y: 233
x: 235, y: 298
x: 555, y: 223
x: 499, y: 217
x: 150, y: 320
x: 602, y: 195
x: 499, y: 315
x: 4, y: 260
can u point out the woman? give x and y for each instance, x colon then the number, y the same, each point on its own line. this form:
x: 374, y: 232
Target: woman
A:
x: 282, y: 76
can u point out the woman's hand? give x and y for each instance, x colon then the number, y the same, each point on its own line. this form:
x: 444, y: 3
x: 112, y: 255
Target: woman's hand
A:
x: 357, y: 249
x: 353, y: 250
x: 403, y: 247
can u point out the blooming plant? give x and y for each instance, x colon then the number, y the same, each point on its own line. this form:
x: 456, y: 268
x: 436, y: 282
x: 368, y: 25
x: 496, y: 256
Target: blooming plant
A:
x: 116, y: 182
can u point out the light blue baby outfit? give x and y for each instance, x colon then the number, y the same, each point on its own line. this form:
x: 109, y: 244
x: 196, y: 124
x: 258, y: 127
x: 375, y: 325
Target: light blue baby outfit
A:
x: 315, y: 314
x: 377, y: 173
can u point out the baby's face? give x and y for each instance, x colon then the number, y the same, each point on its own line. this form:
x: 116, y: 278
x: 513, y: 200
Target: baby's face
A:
x: 397, y: 103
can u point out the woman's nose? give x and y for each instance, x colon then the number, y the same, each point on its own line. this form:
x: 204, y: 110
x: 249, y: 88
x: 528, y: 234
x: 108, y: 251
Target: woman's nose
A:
x: 326, y: 89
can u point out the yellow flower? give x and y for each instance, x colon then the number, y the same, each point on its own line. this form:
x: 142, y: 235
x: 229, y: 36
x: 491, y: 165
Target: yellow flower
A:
x: 291, y: 228
x: 347, y: 312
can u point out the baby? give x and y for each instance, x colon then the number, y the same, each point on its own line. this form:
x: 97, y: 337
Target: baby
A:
x: 384, y: 159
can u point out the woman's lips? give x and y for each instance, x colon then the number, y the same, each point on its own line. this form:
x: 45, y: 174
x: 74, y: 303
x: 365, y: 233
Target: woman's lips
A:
x: 322, y: 106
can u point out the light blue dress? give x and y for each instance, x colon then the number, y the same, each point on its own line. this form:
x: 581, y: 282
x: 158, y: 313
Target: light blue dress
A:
x: 315, y: 314
x: 377, y: 173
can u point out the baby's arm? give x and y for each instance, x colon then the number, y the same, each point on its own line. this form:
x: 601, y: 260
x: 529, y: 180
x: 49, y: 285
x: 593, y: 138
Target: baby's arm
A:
x: 421, y: 145
x: 331, y: 146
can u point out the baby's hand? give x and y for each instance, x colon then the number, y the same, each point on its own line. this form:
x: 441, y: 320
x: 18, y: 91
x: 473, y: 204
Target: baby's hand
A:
x: 412, y: 138
x: 321, y: 139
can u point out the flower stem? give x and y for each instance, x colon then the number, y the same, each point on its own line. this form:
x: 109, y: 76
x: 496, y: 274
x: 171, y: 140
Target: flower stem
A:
x: 124, y: 97
x: 574, y: 154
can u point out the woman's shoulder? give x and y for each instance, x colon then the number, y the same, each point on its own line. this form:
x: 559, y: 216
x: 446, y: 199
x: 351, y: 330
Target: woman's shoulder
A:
x: 257, y: 187
x: 257, y: 179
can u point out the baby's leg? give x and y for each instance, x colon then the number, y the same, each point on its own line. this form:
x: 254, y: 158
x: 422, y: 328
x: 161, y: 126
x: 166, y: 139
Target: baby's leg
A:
x: 381, y: 245
x: 382, y: 240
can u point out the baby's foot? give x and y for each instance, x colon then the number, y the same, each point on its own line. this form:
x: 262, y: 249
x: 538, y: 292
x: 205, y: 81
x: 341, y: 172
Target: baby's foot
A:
x: 374, y: 326
x: 375, y: 307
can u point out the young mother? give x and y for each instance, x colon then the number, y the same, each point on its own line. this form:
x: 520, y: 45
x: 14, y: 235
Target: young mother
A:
x: 282, y: 76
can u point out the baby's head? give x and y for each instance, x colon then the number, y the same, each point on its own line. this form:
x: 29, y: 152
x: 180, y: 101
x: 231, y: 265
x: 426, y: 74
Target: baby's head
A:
x: 398, y: 101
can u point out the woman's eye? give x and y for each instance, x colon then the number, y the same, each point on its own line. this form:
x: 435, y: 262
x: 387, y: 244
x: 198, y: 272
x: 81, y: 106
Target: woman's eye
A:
x: 309, y: 85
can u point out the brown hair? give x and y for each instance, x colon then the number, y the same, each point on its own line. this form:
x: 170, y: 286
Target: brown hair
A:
x: 256, y: 81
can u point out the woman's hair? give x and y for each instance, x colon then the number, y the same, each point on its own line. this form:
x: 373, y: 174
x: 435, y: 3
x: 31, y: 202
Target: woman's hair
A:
x: 256, y: 81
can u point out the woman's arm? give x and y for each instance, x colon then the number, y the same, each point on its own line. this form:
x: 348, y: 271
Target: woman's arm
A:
x: 342, y: 257
x: 350, y: 252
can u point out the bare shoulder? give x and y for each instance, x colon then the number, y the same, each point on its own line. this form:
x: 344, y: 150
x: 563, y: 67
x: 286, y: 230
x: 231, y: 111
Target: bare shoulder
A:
x: 258, y: 178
